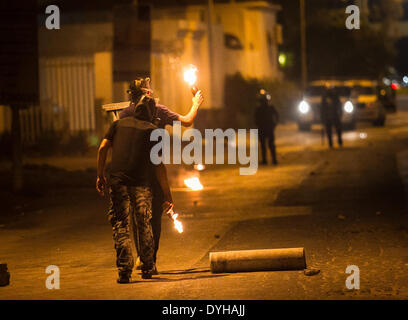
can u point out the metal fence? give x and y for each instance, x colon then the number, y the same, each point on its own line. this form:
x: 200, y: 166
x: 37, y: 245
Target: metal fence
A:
x: 67, y: 99
x: 67, y: 93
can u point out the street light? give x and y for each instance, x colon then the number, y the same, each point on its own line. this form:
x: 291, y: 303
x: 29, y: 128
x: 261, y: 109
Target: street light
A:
x: 282, y: 59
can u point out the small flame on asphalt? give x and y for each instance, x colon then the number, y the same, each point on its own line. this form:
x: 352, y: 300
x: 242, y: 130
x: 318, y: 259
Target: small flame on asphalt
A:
x: 363, y: 135
x: 194, y: 184
x: 177, y: 224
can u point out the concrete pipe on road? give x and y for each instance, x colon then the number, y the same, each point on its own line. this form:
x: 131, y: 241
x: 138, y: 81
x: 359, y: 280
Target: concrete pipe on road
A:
x: 258, y: 260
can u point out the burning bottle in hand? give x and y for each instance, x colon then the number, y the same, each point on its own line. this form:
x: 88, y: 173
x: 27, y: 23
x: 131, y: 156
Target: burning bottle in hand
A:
x: 190, y: 76
x: 168, y: 208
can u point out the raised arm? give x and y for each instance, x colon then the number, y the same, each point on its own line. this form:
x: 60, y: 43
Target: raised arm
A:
x: 187, y: 120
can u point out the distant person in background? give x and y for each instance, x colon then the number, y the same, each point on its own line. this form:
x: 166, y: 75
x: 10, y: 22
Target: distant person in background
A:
x: 266, y: 119
x: 331, y: 114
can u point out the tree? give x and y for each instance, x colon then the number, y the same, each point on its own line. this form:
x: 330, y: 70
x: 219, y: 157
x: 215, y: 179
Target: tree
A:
x: 332, y: 49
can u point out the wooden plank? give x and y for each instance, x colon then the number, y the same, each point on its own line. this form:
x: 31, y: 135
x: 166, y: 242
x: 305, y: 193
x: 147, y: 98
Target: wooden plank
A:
x: 115, y: 106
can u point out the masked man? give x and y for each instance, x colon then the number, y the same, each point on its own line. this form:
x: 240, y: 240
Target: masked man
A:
x: 162, y: 201
x: 266, y: 119
x: 130, y: 184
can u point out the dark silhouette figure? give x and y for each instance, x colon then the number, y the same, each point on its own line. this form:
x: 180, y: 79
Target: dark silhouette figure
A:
x: 331, y: 113
x: 266, y: 119
x: 162, y: 200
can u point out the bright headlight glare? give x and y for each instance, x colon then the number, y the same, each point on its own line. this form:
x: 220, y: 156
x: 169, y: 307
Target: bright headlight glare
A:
x: 348, y: 107
x: 304, y: 107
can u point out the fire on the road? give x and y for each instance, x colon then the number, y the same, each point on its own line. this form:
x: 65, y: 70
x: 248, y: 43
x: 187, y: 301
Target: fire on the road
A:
x: 177, y: 224
x: 199, y: 167
x: 194, y: 184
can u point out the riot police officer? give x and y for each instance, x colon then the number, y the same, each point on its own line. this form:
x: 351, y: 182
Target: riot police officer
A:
x: 266, y: 119
x: 331, y: 114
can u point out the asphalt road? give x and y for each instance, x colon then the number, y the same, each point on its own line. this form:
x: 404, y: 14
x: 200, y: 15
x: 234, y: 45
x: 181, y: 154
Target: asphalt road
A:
x: 344, y: 206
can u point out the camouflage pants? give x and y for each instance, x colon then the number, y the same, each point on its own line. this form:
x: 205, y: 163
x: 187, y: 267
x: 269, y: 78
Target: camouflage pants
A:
x: 157, y: 213
x: 122, y: 197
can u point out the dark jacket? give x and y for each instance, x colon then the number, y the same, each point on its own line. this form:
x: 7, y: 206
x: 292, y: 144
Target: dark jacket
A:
x: 331, y: 108
x: 266, y: 118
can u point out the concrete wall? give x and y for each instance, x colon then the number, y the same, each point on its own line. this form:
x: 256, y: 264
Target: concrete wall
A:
x: 180, y: 36
x: 176, y: 44
x: 255, y: 26
x: 5, y: 119
x: 76, y: 39
x: 103, y: 70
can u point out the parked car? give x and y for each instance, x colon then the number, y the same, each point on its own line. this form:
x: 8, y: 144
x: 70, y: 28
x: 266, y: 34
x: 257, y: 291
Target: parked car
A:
x: 366, y: 98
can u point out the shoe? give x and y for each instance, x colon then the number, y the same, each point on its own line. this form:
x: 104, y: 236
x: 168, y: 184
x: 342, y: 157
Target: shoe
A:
x: 147, y: 274
x: 139, y: 267
x: 154, y: 271
x: 123, y: 278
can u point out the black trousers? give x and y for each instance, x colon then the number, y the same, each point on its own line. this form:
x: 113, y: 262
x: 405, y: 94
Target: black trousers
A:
x: 336, y: 123
x: 268, y: 138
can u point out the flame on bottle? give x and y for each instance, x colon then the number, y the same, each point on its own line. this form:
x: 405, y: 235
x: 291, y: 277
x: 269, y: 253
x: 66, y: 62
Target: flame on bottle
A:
x: 177, y: 224
x: 193, y: 184
x: 190, y: 75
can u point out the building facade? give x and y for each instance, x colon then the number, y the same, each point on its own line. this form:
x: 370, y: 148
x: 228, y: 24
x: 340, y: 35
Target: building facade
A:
x: 92, y: 57
x: 224, y: 40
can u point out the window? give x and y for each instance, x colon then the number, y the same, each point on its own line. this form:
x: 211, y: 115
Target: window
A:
x: 232, y: 42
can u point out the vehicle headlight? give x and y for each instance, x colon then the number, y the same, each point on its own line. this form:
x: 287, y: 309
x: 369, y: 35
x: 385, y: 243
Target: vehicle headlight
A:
x: 304, y: 107
x: 348, y: 107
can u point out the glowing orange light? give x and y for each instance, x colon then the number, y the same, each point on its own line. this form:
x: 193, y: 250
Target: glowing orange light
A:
x: 177, y: 224
x: 190, y: 75
x: 193, y: 184
x: 199, y: 167
x: 363, y: 135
